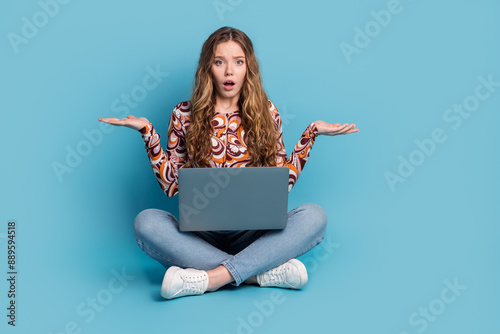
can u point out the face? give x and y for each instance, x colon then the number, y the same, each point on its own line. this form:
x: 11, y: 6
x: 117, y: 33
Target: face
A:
x: 229, y: 69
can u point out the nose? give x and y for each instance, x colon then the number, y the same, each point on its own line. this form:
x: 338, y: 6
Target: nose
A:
x: 229, y: 70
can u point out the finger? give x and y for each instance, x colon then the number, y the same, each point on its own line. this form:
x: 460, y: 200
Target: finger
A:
x: 114, y: 121
x: 342, y: 128
x: 349, y: 128
x: 353, y: 130
x: 337, y: 127
x: 130, y: 117
x: 107, y: 120
x: 345, y: 129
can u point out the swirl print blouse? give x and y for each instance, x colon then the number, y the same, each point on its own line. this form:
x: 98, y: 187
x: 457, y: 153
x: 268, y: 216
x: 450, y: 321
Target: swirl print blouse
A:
x: 228, y: 146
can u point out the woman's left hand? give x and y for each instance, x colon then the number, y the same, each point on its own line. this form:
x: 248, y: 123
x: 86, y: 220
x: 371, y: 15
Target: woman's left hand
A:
x: 335, y: 129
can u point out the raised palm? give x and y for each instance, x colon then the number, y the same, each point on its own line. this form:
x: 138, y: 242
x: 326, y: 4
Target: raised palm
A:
x: 335, y: 129
x: 132, y: 122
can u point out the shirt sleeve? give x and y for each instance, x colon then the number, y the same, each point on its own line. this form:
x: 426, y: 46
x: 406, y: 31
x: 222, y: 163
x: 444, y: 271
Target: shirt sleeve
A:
x: 166, y: 164
x: 300, y: 153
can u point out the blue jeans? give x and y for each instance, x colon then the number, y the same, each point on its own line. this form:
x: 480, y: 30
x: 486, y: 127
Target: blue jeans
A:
x: 243, y: 253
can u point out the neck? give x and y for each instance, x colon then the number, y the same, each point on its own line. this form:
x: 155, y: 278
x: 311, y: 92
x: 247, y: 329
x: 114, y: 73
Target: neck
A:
x: 226, y: 104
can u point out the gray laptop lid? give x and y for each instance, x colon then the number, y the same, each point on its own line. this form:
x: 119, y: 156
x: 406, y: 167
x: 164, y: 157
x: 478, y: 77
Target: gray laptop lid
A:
x: 242, y: 198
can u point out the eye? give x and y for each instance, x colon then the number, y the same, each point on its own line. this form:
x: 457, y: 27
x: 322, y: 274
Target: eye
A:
x: 240, y: 62
x: 218, y: 62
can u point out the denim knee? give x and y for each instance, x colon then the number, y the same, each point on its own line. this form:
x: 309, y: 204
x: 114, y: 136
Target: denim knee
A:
x: 147, y: 223
x: 317, y: 218
x: 143, y: 222
x: 142, y: 225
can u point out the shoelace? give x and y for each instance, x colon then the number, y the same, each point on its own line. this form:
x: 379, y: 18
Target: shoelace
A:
x: 276, y: 276
x: 193, y: 283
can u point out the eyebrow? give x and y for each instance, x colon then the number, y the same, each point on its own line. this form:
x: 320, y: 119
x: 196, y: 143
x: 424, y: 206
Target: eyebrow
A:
x: 224, y: 57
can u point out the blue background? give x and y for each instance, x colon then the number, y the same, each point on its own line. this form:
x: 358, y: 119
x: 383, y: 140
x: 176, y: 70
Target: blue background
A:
x: 390, y: 251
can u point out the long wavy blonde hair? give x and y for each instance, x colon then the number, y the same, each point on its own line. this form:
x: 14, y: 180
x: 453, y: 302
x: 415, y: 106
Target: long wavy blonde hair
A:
x: 260, y: 128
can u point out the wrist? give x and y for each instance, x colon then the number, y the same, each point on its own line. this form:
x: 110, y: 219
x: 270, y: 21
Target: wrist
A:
x: 145, y: 129
x: 314, y: 129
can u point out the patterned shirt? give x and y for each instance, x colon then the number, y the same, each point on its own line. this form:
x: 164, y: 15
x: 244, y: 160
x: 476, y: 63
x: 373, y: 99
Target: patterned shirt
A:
x: 228, y: 146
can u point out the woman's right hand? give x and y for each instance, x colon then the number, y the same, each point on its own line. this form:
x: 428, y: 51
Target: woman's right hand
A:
x: 132, y: 122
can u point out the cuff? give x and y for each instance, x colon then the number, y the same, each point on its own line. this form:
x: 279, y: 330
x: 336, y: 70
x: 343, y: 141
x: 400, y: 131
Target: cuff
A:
x: 146, y: 129
x: 149, y: 136
x: 313, y: 131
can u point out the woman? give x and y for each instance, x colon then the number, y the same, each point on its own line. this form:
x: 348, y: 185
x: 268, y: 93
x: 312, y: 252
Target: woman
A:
x: 229, y: 122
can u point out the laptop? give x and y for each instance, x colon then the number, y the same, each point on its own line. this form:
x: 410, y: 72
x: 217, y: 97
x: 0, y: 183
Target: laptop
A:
x: 240, y: 198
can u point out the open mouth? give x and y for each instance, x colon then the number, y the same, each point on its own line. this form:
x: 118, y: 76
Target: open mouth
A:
x: 229, y: 84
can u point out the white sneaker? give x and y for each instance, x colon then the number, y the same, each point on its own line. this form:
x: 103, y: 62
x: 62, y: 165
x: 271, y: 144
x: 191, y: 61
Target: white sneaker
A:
x: 180, y: 282
x: 290, y: 275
